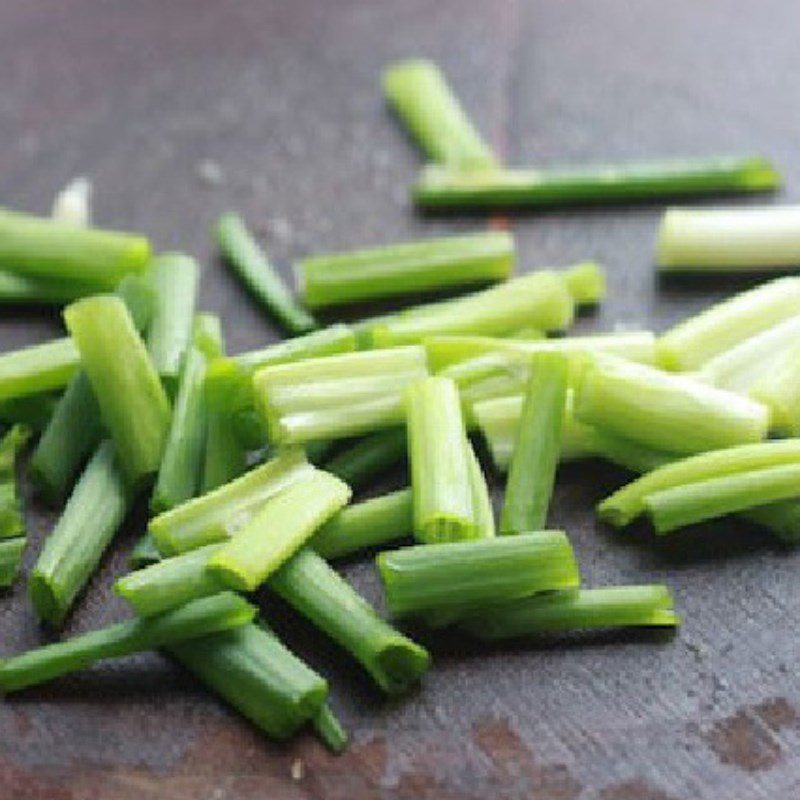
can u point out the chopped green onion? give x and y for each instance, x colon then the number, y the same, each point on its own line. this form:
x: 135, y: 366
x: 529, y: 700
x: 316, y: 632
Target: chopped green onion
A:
x: 779, y: 391
x: 691, y: 343
x: 33, y: 411
x: 144, y: 553
x: 37, y: 368
x: 207, y: 335
x: 470, y: 574
x: 41, y: 248
x: 540, y: 299
x: 71, y: 553
x: 439, y: 456
x: 482, y: 509
x: 258, y: 676
x: 335, y: 339
x: 201, y: 617
x: 418, y: 92
x: 684, y: 505
x: 369, y: 524
x: 132, y: 401
x: 308, y: 584
x: 531, y: 475
x: 10, y: 447
x: 337, y: 396
x: 444, y: 187
x: 72, y: 205
x: 216, y: 515
x: 181, y: 468
x: 586, y: 283
x: 330, y: 730
x: 729, y: 239
x: 11, y: 522
x: 607, y: 607
x: 407, y: 268
x: 248, y: 261
x: 11, y: 552
x: 27, y: 290
x: 665, y: 411
x: 277, y: 530
x: 364, y: 461
x: 175, y: 277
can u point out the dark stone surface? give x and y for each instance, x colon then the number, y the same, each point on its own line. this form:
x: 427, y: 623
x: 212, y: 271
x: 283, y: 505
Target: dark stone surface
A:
x: 284, y: 97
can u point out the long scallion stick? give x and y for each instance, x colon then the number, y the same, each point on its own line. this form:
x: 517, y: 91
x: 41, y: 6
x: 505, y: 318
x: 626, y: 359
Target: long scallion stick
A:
x: 369, y: 457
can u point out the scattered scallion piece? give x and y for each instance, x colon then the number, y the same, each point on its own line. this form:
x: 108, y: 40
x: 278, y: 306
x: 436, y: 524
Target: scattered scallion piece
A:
x: 175, y: 277
x: 691, y: 343
x: 308, y: 584
x: 28, y: 290
x: 606, y: 607
x: 208, y: 615
x: 42, y: 248
x: 418, y: 92
x: 73, y: 204
x: 469, y: 574
x: 251, y: 265
x: 482, y: 509
x: 406, y: 268
x: 277, y: 530
x: 665, y: 411
x: 10, y: 447
x: 369, y: 457
x: 729, y: 239
x: 12, y: 523
x: 37, y: 368
x: 779, y: 391
x: 586, y: 283
x: 538, y: 446
x: 207, y: 335
x: 444, y: 187
x: 11, y: 552
x: 72, y: 551
x: 133, y: 403
x: 333, y: 340
x: 330, y: 730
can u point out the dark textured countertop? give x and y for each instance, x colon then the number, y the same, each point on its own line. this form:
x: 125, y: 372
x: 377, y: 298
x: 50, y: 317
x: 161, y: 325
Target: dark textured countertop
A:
x: 284, y: 98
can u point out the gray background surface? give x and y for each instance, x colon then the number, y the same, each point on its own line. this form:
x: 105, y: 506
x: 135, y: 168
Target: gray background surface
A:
x: 284, y: 97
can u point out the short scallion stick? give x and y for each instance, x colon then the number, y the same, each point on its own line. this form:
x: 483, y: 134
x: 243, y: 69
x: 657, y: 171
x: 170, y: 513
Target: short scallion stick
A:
x: 531, y: 475
x: 12, y: 523
x: 418, y: 92
x: 334, y: 339
x: 11, y: 445
x: 779, y: 391
x: 445, y: 187
x: 482, y: 509
x: 201, y: 617
x: 586, y: 283
x: 330, y: 730
x: 251, y: 265
x: 364, y: 461
x: 465, y: 574
x: 11, y: 552
x: 207, y: 335
x: 133, y: 403
x: 407, y: 268
x: 37, y: 368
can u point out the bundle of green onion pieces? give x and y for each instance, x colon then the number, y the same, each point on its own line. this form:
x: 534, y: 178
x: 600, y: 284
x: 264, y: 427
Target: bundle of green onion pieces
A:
x: 249, y: 463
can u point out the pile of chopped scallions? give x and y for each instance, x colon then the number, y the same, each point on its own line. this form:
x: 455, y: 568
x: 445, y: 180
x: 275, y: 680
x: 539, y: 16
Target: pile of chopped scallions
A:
x: 249, y: 463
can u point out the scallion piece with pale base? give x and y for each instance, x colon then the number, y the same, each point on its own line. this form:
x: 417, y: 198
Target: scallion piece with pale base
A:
x: 93, y: 514
x: 580, y: 609
x: 779, y: 391
x: 418, y: 93
x: 729, y: 239
x: 407, y: 268
x: 460, y: 575
x: 665, y: 411
x: 369, y: 457
x: 690, y: 344
x: 333, y: 340
x: 133, y: 403
x: 337, y: 396
x: 11, y: 552
x: 37, y: 368
x: 537, y: 449
x: 441, y: 186
x: 248, y: 261
x: 220, y: 612
x: 216, y: 515
x: 41, y: 248
x: 277, y: 530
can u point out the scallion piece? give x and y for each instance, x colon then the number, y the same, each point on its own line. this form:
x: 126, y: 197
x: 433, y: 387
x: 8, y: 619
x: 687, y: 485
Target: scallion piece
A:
x: 72, y: 551
x: 10, y: 447
x: 199, y: 618
x: 133, y: 403
x: 468, y: 574
x: 37, y: 368
x: 607, y: 607
x: 207, y: 335
x: 308, y: 584
x: 368, y: 524
x: 691, y: 343
x: 779, y: 391
x: 251, y: 265
x: 369, y: 457
x: 407, y: 268
x: 445, y: 187
x: 482, y: 509
x: 337, y: 396
x: 214, y: 516
x: 665, y: 411
x: 531, y: 475
x: 586, y: 283
x: 73, y: 204
x: 330, y: 730
x: 333, y: 340
x: 729, y: 239
x: 11, y: 522
x: 418, y: 92
x: 277, y: 530
x: 258, y: 676
x: 175, y: 278
x: 42, y: 248
x: 28, y: 290
x: 11, y: 552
